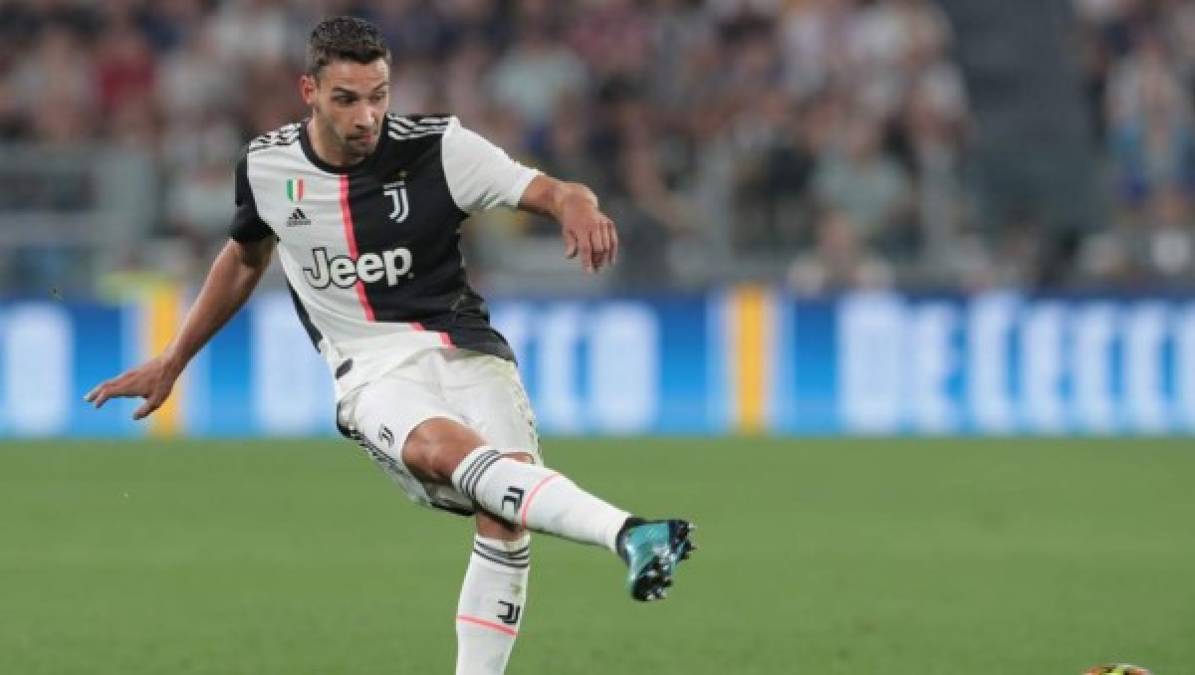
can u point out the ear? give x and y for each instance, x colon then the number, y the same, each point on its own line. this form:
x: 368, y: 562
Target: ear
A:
x: 307, y: 88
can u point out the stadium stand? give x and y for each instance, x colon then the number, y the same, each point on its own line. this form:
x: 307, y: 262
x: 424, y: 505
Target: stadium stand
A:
x: 826, y: 144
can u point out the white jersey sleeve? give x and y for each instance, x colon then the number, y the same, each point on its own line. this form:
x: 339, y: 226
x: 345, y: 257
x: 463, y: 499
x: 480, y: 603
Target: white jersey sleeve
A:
x: 481, y: 175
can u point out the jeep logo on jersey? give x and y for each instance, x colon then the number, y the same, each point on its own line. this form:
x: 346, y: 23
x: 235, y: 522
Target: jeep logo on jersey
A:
x: 344, y: 272
x: 397, y: 192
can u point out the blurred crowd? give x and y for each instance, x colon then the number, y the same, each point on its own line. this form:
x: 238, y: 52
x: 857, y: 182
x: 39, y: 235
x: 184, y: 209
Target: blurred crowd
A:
x: 1139, y: 63
x: 818, y: 143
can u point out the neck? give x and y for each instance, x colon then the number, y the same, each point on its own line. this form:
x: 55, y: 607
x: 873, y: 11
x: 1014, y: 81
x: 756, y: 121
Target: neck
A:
x: 327, y: 149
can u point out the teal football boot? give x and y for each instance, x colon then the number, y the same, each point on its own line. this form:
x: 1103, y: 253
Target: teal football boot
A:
x: 652, y: 550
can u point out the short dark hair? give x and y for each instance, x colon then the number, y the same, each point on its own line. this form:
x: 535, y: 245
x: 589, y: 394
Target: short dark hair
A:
x: 344, y: 38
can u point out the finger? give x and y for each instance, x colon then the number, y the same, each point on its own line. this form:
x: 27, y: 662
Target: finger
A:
x: 121, y: 387
x: 598, y: 245
x: 105, y: 396
x: 147, y: 408
x: 570, y: 245
x: 613, y: 241
x: 608, y: 242
x: 99, y: 396
x: 588, y: 249
x: 95, y: 391
x: 586, y: 253
x: 111, y: 389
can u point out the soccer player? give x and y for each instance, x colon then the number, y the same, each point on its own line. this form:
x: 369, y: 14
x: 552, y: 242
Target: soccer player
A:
x: 364, y: 208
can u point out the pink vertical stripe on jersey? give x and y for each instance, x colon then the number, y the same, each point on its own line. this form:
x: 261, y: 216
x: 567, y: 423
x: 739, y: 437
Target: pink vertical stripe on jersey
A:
x: 445, y: 338
x: 346, y: 215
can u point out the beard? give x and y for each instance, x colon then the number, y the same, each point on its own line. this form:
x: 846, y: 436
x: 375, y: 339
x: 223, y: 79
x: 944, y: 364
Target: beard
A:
x: 352, y: 143
x: 359, y: 143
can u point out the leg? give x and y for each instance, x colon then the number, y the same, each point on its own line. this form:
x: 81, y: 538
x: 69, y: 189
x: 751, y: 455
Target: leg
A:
x: 493, y: 597
x: 494, y: 591
x: 509, y: 487
x: 512, y: 490
x: 439, y: 451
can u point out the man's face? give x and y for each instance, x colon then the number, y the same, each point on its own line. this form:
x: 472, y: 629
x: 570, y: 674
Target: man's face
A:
x: 349, y: 101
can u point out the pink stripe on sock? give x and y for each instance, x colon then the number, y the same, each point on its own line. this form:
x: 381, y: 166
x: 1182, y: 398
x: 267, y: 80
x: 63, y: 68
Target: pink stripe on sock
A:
x: 487, y: 624
x: 534, y: 491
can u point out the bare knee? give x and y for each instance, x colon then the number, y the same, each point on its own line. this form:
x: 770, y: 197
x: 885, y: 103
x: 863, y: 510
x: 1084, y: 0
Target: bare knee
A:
x: 496, y: 528
x: 436, y: 446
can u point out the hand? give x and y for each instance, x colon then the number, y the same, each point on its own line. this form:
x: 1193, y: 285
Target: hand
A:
x: 589, y: 233
x: 152, y: 381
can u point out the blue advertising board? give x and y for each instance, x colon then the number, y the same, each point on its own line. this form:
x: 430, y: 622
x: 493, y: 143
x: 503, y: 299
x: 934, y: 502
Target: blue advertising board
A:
x: 998, y: 363
x: 741, y: 360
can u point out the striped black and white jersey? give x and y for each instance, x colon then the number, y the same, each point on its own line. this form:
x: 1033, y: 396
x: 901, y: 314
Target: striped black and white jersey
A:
x: 372, y: 252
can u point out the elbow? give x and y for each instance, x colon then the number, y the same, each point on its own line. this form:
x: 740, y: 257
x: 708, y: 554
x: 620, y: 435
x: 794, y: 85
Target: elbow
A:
x: 254, y: 256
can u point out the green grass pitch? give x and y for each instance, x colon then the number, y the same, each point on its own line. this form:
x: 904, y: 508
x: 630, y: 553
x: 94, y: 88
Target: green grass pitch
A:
x: 877, y: 557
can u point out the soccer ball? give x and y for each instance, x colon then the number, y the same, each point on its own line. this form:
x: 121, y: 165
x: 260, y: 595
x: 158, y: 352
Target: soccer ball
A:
x: 1117, y: 669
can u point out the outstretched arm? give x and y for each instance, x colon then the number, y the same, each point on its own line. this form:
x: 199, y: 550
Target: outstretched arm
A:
x: 234, y: 275
x: 586, y: 230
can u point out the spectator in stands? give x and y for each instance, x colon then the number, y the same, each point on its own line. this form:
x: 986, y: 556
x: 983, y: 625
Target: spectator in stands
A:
x: 1153, y: 141
x: 536, y: 73
x: 840, y: 261
x: 857, y: 177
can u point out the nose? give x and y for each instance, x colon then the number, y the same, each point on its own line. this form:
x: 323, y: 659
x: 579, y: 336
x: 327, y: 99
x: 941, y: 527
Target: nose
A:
x: 366, y: 118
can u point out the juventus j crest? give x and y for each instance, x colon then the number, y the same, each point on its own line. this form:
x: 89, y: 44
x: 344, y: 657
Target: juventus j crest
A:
x: 397, y: 192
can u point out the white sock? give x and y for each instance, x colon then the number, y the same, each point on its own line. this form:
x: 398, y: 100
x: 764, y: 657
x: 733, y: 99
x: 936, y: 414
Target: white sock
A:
x: 491, y: 606
x: 537, y: 498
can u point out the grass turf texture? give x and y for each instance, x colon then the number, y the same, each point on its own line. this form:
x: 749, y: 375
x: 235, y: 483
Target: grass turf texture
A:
x: 853, y: 557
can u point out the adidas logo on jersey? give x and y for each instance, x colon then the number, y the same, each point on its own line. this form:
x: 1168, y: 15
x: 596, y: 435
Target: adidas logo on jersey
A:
x: 344, y: 272
x: 297, y: 218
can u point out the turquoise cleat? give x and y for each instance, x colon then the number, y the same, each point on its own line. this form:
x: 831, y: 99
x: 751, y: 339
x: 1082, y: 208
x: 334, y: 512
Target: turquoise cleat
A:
x: 652, y: 550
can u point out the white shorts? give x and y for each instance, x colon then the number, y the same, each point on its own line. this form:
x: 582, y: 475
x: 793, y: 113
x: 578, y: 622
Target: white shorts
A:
x: 481, y: 391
